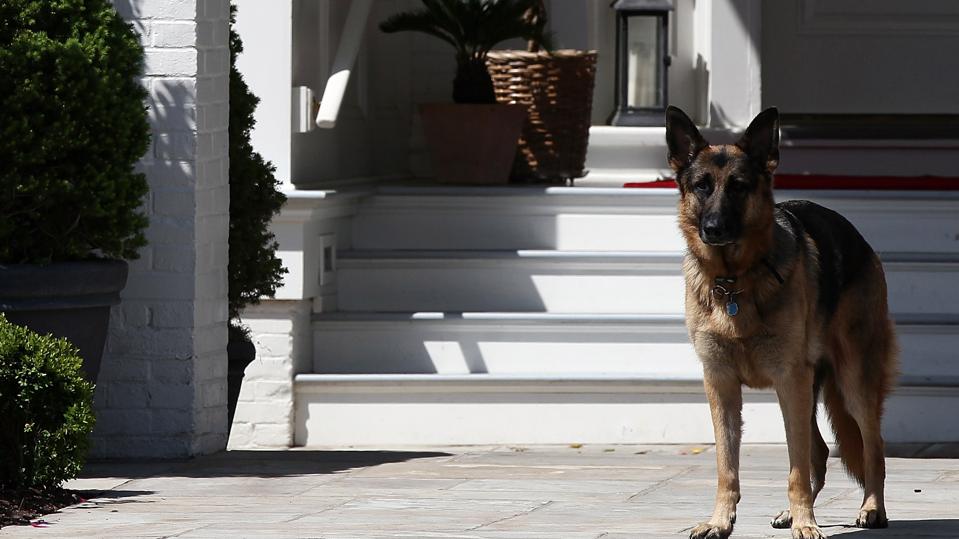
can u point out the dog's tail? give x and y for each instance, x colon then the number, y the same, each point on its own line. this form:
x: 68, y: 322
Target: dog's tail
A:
x: 846, y: 430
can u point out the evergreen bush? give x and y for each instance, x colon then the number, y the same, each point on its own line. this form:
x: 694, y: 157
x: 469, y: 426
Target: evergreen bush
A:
x: 72, y: 126
x: 254, y: 269
x: 46, y: 410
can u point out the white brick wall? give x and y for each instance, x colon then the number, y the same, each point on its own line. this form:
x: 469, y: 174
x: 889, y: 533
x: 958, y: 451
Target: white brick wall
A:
x: 281, y: 331
x: 162, y: 387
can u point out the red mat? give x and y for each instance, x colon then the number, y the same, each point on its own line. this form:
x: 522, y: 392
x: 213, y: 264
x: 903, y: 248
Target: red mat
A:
x: 874, y: 183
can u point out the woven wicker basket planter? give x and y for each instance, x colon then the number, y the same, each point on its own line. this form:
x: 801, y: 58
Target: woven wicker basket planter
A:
x: 557, y: 88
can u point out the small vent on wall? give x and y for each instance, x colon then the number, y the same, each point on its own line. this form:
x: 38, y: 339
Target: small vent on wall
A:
x: 327, y: 265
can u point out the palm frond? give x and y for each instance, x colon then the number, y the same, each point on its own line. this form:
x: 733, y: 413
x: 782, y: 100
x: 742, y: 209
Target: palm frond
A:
x: 447, y: 18
x: 472, y: 27
x: 507, y: 19
x: 418, y: 21
x: 469, y: 17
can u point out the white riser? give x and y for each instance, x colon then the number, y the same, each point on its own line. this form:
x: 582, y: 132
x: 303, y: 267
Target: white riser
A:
x: 588, y: 219
x: 501, y: 282
x: 503, y: 350
x: 636, y: 346
x: 377, y: 413
x: 582, y: 284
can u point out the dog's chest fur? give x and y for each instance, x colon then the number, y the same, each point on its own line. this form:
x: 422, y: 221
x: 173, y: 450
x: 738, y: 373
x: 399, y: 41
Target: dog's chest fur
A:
x: 757, y: 361
x: 771, y: 332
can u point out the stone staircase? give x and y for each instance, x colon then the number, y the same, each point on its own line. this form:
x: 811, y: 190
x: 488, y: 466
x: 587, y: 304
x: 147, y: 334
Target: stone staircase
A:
x: 555, y: 315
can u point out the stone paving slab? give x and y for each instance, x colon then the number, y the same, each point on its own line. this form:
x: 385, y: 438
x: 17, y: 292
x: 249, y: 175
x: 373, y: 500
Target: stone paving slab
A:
x: 582, y: 492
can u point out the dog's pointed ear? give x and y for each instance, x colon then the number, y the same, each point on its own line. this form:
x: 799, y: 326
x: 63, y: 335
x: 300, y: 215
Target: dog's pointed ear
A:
x: 761, y: 139
x: 682, y: 139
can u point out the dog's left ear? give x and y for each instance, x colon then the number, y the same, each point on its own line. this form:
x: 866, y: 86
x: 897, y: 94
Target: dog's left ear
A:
x: 761, y: 139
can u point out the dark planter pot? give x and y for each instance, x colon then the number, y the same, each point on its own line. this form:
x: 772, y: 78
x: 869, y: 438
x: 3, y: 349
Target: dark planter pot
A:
x: 67, y: 299
x: 472, y: 144
x: 240, y: 353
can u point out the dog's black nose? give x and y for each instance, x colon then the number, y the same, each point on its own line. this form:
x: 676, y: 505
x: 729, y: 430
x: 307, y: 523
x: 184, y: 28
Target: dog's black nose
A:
x: 712, y: 229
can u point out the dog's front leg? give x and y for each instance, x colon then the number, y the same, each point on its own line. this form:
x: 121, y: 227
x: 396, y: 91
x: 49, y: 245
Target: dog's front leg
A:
x: 796, y: 401
x: 725, y: 395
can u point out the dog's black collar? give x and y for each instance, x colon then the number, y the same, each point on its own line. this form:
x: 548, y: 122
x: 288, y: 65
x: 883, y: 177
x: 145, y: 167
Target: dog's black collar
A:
x: 725, y: 289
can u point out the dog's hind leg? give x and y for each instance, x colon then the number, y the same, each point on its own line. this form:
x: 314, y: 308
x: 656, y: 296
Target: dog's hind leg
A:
x: 865, y: 460
x: 844, y: 426
x: 820, y: 455
x: 819, y: 450
x: 864, y: 399
x: 861, y: 383
x: 872, y: 514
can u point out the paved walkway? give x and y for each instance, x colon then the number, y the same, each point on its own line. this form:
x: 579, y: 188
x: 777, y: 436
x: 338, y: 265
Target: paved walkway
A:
x: 613, y: 492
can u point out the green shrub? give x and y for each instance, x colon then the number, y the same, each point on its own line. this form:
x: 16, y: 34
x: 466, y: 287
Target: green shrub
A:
x: 72, y: 126
x: 46, y: 409
x: 254, y: 269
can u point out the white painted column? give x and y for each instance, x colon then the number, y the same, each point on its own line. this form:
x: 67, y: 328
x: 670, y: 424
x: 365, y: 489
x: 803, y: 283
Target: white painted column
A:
x: 734, y: 63
x: 162, y: 387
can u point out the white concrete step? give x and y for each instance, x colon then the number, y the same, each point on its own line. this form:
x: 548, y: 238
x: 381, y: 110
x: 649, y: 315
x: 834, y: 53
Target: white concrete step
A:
x: 638, y: 345
x: 580, y: 282
x: 496, y: 409
x: 397, y: 410
x: 615, y: 219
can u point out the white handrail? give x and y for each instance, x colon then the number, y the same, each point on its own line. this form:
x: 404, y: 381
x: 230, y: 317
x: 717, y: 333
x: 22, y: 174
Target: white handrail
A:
x: 346, y: 53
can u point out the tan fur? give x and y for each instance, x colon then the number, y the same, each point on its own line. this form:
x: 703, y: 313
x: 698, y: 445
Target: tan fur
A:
x: 777, y: 344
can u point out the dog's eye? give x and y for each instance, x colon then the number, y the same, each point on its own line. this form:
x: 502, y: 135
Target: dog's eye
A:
x: 703, y: 185
x: 736, y: 185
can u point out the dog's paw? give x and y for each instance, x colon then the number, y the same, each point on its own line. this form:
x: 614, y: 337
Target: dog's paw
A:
x: 808, y: 532
x: 708, y: 530
x: 782, y: 521
x: 872, y: 518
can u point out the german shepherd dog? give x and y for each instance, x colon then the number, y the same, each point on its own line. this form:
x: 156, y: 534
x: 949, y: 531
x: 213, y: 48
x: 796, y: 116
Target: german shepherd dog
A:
x: 786, y: 296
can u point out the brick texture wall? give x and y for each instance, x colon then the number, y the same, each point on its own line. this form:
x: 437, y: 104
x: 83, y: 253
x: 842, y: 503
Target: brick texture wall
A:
x: 281, y: 331
x: 162, y: 388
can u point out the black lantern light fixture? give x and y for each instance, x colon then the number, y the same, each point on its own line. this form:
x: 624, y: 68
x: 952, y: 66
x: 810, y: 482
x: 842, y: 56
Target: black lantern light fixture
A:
x: 642, y: 57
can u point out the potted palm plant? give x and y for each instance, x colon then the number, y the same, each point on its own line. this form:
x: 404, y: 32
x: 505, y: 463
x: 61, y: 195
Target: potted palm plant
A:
x: 473, y: 139
x: 72, y: 128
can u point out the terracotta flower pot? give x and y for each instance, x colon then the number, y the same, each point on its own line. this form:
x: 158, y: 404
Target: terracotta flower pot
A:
x: 472, y: 144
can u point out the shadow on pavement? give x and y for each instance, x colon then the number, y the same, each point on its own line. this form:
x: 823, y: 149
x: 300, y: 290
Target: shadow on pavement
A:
x: 253, y: 463
x: 934, y: 527
x: 95, y: 498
